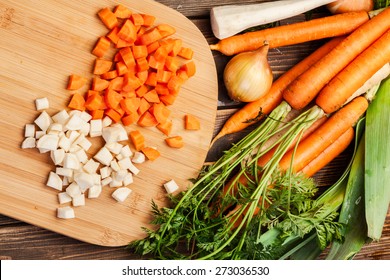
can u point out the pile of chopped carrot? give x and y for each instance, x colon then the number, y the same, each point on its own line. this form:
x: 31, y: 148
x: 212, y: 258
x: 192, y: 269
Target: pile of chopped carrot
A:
x: 138, y: 71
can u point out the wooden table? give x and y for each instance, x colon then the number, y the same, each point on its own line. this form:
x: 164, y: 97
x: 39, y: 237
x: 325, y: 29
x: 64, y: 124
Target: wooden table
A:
x: 19, y: 240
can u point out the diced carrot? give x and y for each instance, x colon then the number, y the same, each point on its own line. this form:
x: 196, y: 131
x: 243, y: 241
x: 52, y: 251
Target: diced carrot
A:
x: 165, y: 127
x: 137, y: 19
x: 121, y: 68
x: 90, y: 93
x: 130, y: 118
x: 138, y: 139
x: 121, y: 11
x: 128, y: 94
x: 77, y: 102
x: 168, y: 44
x: 154, y: 63
x: 99, y: 84
x: 140, y: 51
x: 168, y: 99
x: 163, y: 76
x: 101, y: 66
x: 152, y: 47
x: 142, y: 76
x: 130, y: 82
x: 142, y: 64
x: 177, y: 44
x: 162, y: 89
x: 101, y: 47
x: 130, y: 104
x: 174, y: 84
x: 94, y: 102
x: 148, y: 20
x: 76, y: 82
x: 108, y: 18
x: 143, y: 106
x: 109, y: 75
x: 127, y: 56
x: 113, y: 35
x: 175, y: 142
x: 182, y: 73
x: 141, y: 30
x: 189, y: 68
x: 117, y: 57
x: 112, y: 98
x: 116, y: 83
x: 186, y: 53
x: 150, y: 153
x: 123, y: 43
x: 97, y: 114
x: 172, y: 63
x: 152, y: 79
x: 166, y: 30
x: 160, y: 112
x: 141, y: 91
x: 128, y: 31
x: 114, y: 115
x: 150, y: 36
x: 151, y: 96
x: 161, y: 53
x: 191, y: 122
x: 147, y: 120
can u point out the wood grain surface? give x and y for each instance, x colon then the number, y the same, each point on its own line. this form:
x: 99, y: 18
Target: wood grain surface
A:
x: 41, y: 45
x: 20, y: 240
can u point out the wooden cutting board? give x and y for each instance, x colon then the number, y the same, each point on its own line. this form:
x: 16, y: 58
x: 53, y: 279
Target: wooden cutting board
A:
x: 42, y: 43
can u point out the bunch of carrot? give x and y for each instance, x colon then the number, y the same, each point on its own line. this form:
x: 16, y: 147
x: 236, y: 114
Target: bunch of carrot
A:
x: 138, y: 71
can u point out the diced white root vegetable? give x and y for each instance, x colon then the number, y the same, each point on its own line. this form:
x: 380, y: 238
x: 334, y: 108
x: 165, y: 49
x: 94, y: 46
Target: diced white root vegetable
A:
x: 48, y: 142
x: 41, y: 103
x: 104, y: 156
x: 125, y: 163
x: 43, y: 121
x: 85, y: 116
x: 119, y: 157
x: 78, y: 200
x: 65, y: 181
x: 29, y: 143
x: 122, y: 132
x: 128, y: 179
x: 96, y: 128
x: 74, y: 123
x: 114, y: 165
x: 73, y: 190
x: 107, y: 121
x: 72, y: 135
x: 82, y: 156
x: 91, y: 166
x: 120, y: 175
x: 64, y: 172
x: 171, y: 186
x: 111, y: 134
x: 106, y: 181
x: 39, y: 134
x: 126, y: 151
x: 61, y: 117
x: 85, y: 128
x: 63, y: 198
x: 79, y: 139
x: 115, y: 183
x: 42, y: 150
x: 85, y: 144
x: 133, y: 169
x: 96, y: 179
x: 54, y: 181
x: 75, y: 112
x: 114, y: 147
x: 105, y: 172
x: 29, y: 130
x: 121, y: 194
x: 64, y: 143
x: 55, y: 128
x: 57, y: 156
x: 138, y: 157
x: 83, y: 180
x: 94, y: 191
x: 71, y: 161
x: 74, y: 148
x: 66, y: 212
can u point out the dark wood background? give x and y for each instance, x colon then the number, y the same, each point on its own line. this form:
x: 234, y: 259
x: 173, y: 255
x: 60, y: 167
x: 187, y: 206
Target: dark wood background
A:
x: 19, y: 240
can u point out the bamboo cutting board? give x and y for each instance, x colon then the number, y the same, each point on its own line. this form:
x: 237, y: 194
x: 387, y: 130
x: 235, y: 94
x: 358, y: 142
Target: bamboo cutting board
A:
x: 41, y: 44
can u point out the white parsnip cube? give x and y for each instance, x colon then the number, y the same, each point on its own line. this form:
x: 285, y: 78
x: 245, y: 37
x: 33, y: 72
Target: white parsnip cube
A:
x: 43, y: 121
x: 115, y: 183
x: 83, y: 180
x: 64, y: 172
x: 73, y: 190
x: 107, y: 121
x: 64, y: 143
x: 126, y: 151
x: 94, y: 191
x: 55, y: 128
x: 91, y: 166
x: 57, y: 156
x: 54, y: 181
x: 105, y: 172
x: 41, y: 103
x: 85, y: 128
x: 74, y: 123
x: 61, y: 117
x: 104, y: 156
x: 72, y: 135
x: 85, y: 144
x: 138, y: 157
x: 66, y: 212
x: 81, y: 156
x: 39, y: 134
x: 106, y: 181
x: 171, y: 186
x: 63, y: 198
x: 48, y: 142
x: 114, y: 165
x: 133, y: 169
x: 121, y: 194
x: 120, y: 175
x: 85, y: 116
x: 96, y: 128
x: 29, y: 130
x: 71, y: 161
x: 128, y: 179
x: 29, y: 143
x: 78, y: 200
x: 125, y: 163
x: 114, y: 147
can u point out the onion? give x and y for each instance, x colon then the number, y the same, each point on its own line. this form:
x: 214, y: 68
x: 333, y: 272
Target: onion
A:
x: 248, y: 75
x: 344, y: 6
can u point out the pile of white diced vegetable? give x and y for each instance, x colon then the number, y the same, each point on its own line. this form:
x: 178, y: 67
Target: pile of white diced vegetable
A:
x: 65, y: 136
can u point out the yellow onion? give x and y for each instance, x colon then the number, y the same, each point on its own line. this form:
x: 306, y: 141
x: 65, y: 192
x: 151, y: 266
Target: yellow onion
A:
x: 345, y: 6
x: 248, y: 76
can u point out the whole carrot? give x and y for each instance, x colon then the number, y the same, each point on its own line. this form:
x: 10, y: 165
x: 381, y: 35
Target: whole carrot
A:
x: 251, y: 112
x: 326, y: 27
x: 326, y: 134
x: 352, y: 77
x: 305, y: 88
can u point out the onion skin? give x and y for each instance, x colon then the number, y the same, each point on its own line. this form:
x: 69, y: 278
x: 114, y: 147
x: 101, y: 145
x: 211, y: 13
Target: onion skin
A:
x: 248, y: 75
x: 345, y: 6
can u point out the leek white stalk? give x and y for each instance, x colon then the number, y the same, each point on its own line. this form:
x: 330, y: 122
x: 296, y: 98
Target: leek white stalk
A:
x: 229, y: 20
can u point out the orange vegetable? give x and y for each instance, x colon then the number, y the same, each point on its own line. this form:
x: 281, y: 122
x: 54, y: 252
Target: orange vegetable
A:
x: 151, y: 79
x: 112, y: 98
x: 130, y: 105
x: 142, y: 64
x: 128, y: 31
x: 127, y: 56
x: 101, y: 47
x: 175, y: 142
x: 137, y: 19
x: 153, y: 46
x: 140, y: 51
x: 94, y: 102
x: 114, y: 115
x: 152, y: 96
x: 165, y: 127
x: 121, y: 11
x: 168, y: 99
x: 101, y: 66
x: 109, y: 75
x: 130, y: 82
x: 97, y: 114
x: 99, y: 84
x: 138, y: 139
x: 141, y: 91
x: 186, y: 53
x: 162, y: 89
x: 76, y: 82
x: 121, y: 68
x: 143, y: 106
x: 177, y: 44
x: 166, y: 30
x: 191, y: 122
x: 147, y: 120
x: 148, y: 20
x: 150, y: 36
x: 113, y: 35
x: 189, y: 68
x: 174, y: 84
x: 130, y: 118
x: 150, y: 153
x: 160, y: 112
x: 172, y: 63
x: 108, y: 18
x: 116, y: 83
x: 163, y: 76
x: 77, y: 102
